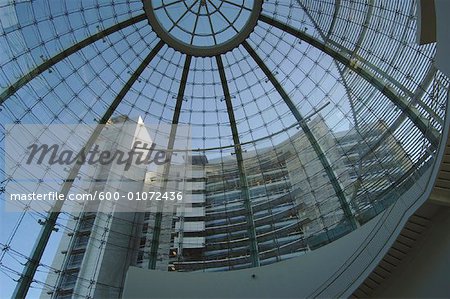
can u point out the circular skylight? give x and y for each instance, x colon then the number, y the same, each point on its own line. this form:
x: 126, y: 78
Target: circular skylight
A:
x: 203, y: 27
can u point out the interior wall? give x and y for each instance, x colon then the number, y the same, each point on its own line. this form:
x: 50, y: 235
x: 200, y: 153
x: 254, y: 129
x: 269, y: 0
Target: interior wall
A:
x: 425, y: 272
x: 294, y: 278
x: 443, y: 36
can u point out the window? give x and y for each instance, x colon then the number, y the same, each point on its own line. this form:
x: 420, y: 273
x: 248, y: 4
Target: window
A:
x: 75, y: 260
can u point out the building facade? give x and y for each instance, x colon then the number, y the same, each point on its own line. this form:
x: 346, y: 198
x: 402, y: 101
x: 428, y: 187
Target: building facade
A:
x: 294, y: 206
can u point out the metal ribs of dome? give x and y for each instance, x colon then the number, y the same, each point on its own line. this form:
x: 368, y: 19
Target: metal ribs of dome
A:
x: 159, y: 24
x: 301, y: 56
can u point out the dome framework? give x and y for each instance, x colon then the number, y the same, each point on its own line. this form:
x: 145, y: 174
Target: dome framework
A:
x: 227, y: 25
x: 254, y: 92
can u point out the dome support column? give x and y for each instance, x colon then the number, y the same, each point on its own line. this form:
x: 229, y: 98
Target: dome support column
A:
x: 153, y: 255
x: 412, y: 112
x: 415, y: 96
x: 49, y: 224
x: 254, y: 255
x: 309, y: 134
x: 341, y: 69
x: 64, y: 54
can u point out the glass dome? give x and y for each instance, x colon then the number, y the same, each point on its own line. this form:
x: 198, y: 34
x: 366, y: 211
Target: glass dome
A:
x: 308, y: 118
x: 203, y: 27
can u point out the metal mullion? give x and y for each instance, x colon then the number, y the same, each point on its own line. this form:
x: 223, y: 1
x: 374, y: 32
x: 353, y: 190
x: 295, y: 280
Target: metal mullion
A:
x: 309, y: 134
x: 176, y: 116
x: 175, y: 23
x: 196, y: 22
x: 337, y: 6
x: 254, y: 255
x: 167, y: 5
x: 225, y: 17
x: 31, y: 266
x: 64, y: 54
x: 211, y: 25
x: 237, y: 5
x: 411, y: 112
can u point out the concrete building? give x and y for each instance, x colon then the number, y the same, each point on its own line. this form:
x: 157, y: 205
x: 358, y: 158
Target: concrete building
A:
x: 100, y: 242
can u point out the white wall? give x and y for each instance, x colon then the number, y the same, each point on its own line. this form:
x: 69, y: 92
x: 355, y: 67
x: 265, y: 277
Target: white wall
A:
x: 443, y: 36
x: 291, y: 278
x: 426, y: 271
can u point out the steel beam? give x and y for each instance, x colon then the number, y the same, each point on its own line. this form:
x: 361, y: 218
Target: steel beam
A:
x: 254, y: 254
x: 365, y: 26
x: 309, y: 134
x: 31, y: 266
x: 354, y: 55
x: 340, y: 69
x: 62, y: 55
x: 153, y: 255
x: 337, y: 6
x: 412, y: 112
x: 415, y: 97
x: 362, y: 35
